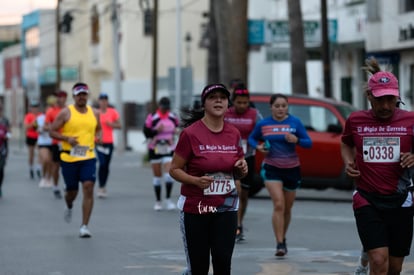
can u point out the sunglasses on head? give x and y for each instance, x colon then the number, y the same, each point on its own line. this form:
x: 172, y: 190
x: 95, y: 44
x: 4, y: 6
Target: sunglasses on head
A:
x: 241, y: 92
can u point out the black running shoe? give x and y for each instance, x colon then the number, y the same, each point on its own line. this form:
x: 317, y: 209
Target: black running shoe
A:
x: 281, y: 250
x: 57, y: 194
x: 239, y: 234
x: 31, y: 174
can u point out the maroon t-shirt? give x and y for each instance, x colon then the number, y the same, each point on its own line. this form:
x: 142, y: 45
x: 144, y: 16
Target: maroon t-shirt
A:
x: 378, y: 146
x: 208, y: 152
x: 245, y: 122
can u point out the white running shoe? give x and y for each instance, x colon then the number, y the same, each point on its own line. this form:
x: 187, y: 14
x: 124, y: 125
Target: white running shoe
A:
x: 42, y: 183
x: 101, y: 193
x: 158, y: 206
x: 48, y: 183
x: 169, y: 204
x: 84, y: 232
x: 67, y: 215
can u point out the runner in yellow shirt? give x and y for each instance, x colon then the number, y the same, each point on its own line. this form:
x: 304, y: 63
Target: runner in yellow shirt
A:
x: 79, y: 127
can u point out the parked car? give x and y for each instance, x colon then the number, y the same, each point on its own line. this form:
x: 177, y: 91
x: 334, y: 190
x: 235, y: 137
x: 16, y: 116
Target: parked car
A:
x: 321, y: 166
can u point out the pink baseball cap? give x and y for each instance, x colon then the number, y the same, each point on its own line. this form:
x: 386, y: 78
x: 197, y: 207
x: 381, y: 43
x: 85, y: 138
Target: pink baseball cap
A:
x: 383, y: 83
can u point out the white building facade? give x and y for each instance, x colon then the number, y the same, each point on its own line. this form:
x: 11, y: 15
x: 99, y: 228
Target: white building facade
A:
x: 270, y: 70
x: 390, y: 37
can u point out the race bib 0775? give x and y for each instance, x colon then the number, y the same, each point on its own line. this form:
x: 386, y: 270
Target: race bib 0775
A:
x: 222, y: 184
x: 381, y: 149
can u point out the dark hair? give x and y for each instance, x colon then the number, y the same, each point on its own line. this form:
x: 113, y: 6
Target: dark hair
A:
x: 235, y: 82
x: 372, y: 67
x: 189, y: 116
x: 164, y: 103
x: 276, y: 96
x: 243, y: 92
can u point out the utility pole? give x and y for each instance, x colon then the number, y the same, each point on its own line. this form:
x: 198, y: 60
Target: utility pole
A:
x: 178, y: 58
x: 57, y: 19
x: 117, y: 77
x: 154, y: 55
x: 325, y: 51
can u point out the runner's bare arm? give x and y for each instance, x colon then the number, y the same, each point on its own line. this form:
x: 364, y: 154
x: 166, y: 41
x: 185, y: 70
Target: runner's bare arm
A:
x: 177, y: 172
x: 348, y: 156
x: 58, y: 123
x: 98, y: 130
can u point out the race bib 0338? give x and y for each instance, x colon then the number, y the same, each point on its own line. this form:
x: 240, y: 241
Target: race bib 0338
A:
x: 381, y: 149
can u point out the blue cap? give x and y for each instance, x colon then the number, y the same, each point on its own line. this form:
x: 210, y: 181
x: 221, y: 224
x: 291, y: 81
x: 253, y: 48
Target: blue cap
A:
x: 103, y: 96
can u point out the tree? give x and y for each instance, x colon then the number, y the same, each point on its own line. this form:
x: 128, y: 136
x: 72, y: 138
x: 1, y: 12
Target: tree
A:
x: 297, y: 48
x: 213, y: 72
x: 229, y: 21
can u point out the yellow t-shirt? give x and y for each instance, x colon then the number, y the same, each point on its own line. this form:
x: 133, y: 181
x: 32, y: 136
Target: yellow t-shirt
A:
x: 83, y: 127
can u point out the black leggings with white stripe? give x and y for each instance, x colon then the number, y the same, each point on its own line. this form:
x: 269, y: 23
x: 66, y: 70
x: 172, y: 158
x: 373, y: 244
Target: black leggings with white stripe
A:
x: 209, y: 233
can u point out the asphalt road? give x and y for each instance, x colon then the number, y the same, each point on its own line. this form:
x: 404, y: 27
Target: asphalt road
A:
x: 128, y: 237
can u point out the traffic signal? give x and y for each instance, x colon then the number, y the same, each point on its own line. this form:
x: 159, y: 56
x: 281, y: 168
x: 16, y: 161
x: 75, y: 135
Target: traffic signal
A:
x: 66, y: 25
x: 148, y: 24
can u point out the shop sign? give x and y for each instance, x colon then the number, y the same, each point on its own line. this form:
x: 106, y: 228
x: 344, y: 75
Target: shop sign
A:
x: 277, y: 31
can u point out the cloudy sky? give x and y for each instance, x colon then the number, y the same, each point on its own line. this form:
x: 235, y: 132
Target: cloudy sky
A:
x: 11, y: 11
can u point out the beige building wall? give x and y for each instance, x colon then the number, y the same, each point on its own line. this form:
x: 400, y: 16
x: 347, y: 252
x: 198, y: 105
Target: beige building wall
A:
x: 14, y: 97
x: 96, y: 61
x: 93, y: 62
x: 47, y: 39
x: 136, y: 49
x: 10, y: 32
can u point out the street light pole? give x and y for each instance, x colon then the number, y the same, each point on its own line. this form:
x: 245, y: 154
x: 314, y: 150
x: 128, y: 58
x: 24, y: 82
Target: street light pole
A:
x: 325, y: 51
x: 58, y: 65
x: 117, y: 76
x: 178, y: 58
x: 154, y: 55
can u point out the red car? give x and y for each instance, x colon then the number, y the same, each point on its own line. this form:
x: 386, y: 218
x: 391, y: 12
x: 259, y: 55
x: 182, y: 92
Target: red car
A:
x: 324, y: 119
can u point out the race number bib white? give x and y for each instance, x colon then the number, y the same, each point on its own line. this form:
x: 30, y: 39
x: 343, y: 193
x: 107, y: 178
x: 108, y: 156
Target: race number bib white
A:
x: 102, y: 149
x: 162, y: 149
x: 381, y: 149
x: 79, y: 151
x: 222, y: 184
x: 244, y: 145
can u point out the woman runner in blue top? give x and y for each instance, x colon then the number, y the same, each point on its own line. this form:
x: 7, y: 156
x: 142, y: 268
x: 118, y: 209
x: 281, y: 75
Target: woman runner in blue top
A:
x: 281, y: 132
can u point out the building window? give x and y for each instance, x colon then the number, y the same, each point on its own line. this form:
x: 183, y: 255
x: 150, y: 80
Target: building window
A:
x: 406, y: 6
x: 32, y: 42
x: 135, y: 115
x: 373, y: 11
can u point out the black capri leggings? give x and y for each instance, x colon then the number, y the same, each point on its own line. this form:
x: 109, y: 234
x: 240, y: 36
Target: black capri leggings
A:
x: 209, y: 233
